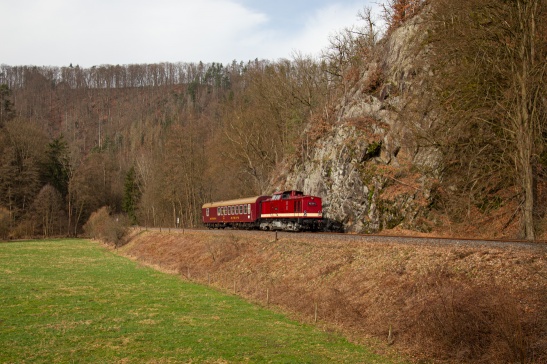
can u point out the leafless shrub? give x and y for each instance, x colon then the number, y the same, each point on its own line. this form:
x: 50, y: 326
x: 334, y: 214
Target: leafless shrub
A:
x: 102, y: 226
x: 467, y: 322
x: 224, y: 249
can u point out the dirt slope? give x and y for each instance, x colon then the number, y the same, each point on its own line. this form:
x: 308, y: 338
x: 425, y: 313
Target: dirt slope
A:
x: 447, y: 303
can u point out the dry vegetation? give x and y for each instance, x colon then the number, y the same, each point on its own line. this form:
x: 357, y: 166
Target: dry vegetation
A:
x: 445, y: 303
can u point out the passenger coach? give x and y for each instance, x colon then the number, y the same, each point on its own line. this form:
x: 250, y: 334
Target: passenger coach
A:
x: 243, y: 213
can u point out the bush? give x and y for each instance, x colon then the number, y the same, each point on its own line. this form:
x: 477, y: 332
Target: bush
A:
x: 105, y: 227
x: 469, y: 322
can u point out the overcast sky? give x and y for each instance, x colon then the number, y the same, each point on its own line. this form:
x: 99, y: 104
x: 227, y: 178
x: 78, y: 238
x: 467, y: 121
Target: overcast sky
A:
x: 95, y: 32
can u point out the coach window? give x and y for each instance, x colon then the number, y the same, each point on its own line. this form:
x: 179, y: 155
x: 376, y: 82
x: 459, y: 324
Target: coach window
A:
x: 240, y: 209
x: 207, y: 212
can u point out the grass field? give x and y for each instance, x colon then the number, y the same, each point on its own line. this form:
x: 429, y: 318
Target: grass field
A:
x: 74, y: 301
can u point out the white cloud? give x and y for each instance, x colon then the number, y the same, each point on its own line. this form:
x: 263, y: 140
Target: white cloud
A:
x: 324, y: 23
x: 313, y: 36
x: 59, y: 32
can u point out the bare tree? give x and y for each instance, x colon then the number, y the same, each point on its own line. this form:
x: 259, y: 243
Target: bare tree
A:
x: 48, y: 207
x: 490, y: 81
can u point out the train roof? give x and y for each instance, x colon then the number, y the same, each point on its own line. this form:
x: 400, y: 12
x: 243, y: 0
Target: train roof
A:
x: 240, y: 201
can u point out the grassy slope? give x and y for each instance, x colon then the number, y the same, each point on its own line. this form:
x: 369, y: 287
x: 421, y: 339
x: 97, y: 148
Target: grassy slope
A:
x: 73, y: 301
x: 457, y: 304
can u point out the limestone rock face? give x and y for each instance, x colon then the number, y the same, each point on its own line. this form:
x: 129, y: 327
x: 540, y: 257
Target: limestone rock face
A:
x: 368, y: 167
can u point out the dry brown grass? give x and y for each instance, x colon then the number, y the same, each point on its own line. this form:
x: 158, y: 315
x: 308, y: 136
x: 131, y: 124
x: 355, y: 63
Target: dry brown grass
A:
x: 450, y: 304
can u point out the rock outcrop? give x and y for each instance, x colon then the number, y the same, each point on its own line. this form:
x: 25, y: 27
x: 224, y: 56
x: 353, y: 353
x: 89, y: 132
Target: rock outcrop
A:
x: 369, y: 168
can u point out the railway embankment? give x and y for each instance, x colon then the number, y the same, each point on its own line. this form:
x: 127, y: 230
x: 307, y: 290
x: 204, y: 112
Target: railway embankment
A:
x: 450, y: 303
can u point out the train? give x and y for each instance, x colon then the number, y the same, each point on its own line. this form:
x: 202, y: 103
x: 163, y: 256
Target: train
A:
x: 286, y: 211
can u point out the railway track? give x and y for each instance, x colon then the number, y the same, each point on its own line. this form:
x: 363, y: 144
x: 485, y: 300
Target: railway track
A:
x: 374, y: 238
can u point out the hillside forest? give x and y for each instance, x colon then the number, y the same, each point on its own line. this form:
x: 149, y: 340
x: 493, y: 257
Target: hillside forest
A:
x: 151, y: 143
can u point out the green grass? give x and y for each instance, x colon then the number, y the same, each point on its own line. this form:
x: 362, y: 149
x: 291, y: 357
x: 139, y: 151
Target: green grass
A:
x: 74, y: 301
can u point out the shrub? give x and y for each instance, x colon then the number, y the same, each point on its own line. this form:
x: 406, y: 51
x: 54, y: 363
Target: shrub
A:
x: 105, y: 227
x: 471, y: 322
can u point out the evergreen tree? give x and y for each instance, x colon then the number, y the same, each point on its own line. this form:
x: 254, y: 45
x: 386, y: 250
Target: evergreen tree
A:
x: 56, y: 169
x: 131, y: 195
x: 6, y: 106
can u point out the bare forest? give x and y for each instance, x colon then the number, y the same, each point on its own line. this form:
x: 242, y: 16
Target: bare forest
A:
x: 151, y: 143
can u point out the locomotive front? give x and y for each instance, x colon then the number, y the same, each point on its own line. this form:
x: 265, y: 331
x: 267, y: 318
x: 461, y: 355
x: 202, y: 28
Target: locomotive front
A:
x: 292, y: 211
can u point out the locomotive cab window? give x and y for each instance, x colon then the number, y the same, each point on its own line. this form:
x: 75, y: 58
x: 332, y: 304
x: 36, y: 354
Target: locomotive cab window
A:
x: 207, y: 212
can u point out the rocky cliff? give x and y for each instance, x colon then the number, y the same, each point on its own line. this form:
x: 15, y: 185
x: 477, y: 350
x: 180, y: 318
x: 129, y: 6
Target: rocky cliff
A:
x: 368, y: 167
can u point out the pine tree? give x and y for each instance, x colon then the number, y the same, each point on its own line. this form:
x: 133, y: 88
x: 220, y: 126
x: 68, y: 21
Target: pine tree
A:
x: 57, y: 166
x: 131, y: 195
x: 6, y: 106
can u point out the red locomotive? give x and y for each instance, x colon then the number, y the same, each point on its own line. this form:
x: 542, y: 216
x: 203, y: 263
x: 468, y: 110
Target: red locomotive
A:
x: 289, y: 210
